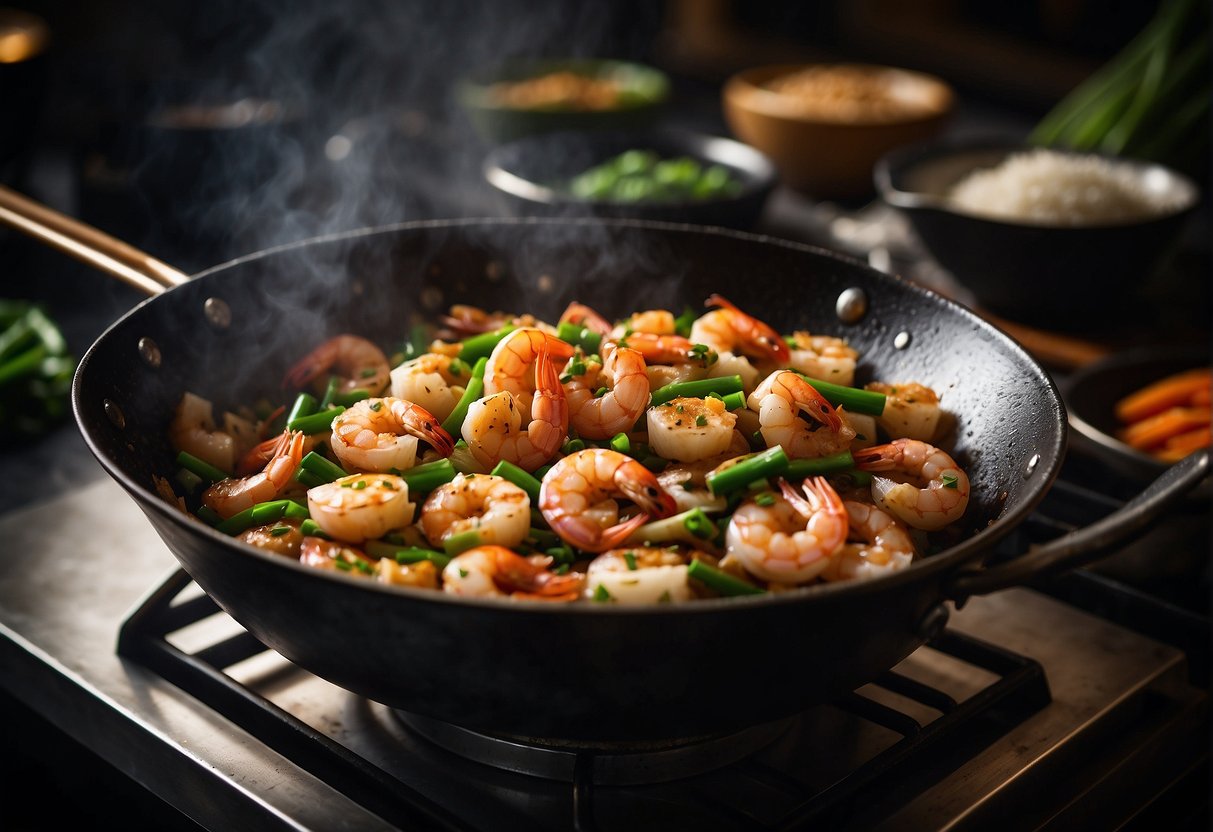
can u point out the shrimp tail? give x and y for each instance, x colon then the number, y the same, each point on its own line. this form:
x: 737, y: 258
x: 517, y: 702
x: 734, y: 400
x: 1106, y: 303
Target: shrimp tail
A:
x: 582, y: 315
x: 761, y: 336
x: 877, y: 457
x: 309, y: 367
x: 530, y: 580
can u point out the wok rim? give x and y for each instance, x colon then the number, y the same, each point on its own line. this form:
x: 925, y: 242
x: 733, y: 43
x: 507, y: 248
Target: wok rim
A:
x: 951, y: 558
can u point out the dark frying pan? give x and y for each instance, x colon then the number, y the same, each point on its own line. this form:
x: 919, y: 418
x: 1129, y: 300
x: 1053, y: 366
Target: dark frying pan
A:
x: 584, y: 672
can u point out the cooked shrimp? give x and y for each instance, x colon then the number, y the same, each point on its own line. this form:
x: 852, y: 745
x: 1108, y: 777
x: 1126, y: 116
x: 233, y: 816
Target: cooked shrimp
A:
x: 728, y: 329
x: 791, y: 540
x: 823, y: 357
x: 282, y: 537
x: 582, y: 480
x: 193, y: 430
x: 489, y: 571
x: 360, y: 364
x: 638, y: 575
x: 495, y: 508
x: 687, y: 483
x: 493, y: 427
x: 382, y: 434
x: 234, y: 495
x: 423, y: 574
x: 582, y: 315
x: 883, y: 545
x: 688, y: 430
x: 911, y: 410
x: 428, y: 381
x: 514, y: 364
x: 319, y: 553
x: 601, y: 417
x: 779, y: 399
x: 937, y: 493
x: 263, y: 452
x: 361, y: 506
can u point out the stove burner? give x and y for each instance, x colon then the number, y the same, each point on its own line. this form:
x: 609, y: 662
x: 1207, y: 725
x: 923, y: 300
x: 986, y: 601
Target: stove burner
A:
x: 603, y: 764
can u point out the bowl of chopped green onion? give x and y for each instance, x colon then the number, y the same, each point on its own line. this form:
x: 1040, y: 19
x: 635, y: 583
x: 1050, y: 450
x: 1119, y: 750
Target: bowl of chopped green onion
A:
x: 661, y: 175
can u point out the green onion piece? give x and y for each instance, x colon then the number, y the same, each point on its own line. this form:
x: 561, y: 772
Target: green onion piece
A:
x: 481, y: 346
x: 766, y: 498
x: 579, y: 336
x: 734, y: 401
x: 573, y: 446
x: 416, y: 555
x: 562, y: 554
x: 203, y: 469
x: 321, y: 468
x: 418, y: 342
x: 701, y: 420
x: 858, y: 478
x: 320, y: 422
x: 278, y: 531
x: 305, y: 405
x: 697, y: 389
x: 721, y: 581
x: 209, y: 516
x: 24, y: 364
x: 684, y: 322
x: 542, y: 472
x: 699, y: 524
x: 798, y: 469
x: 601, y: 595
x: 770, y: 463
x: 519, y: 477
x: 630, y: 559
x: 423, y: 479
x: 542, y: 538
x: 655, y: 464
x: 258, y: 515
x: 188, y: 480
x: 311, y: 528
x: 949, y: 481
x: 453, y: 424
x: 621, y: 443
x: 461, y: 542
x: 852, y: 398
x: 329, y: 391
x: 351, y: 397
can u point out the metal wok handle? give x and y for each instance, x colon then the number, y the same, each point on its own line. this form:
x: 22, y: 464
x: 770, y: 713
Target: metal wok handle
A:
x: 1087, y: 544
x: 95, y: 247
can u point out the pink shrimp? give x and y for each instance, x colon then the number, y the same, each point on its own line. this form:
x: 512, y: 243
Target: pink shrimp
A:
x: 513, y: 367
x: 582, y: 481
x: 360, y: 364
x: 728, y: 329
x: 601, y: 417
x: 584, y: 316
x: 779, y: 400
x: 937, y: 491
x: 791, y: 540
x: 486, y: 571
x: 234, y: 495
x: 493, y: 426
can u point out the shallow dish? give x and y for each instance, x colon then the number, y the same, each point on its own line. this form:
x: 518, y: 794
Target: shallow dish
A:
x: 643, y: 91
x: 832, y: 154
x: 1080, y: 278
x: 533, y: 174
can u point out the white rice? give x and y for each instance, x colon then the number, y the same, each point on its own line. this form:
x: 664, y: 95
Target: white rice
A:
x: 1049, y: 188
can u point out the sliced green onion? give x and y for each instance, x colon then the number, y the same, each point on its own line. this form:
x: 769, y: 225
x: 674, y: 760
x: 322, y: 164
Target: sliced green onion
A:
x: 852, y: 398
x: 684, y: 322
x: 481, y: 346
x: 858, y: 478
x: 721, y: 581
x: 309, y: 480
x: 601, y: 595
x: 200, y: 467
x: 188, y: 480
x: 770, y: 463
x: 319, y: 422
x: 404, y: 554
x: 562, y: 554
x: 305, y: 405
x: 579, y: 336
x: 697, y: 389
x: 621, y: 443
x: 542, y: 538
x: 692, y: 527
x: 423, y: 479
x: 519, y: 477
x: 321, y: 467
x: 330, y: 390
x: 311, y: 528
x: 209, y: 516
x: 461, y: 542
x: 699, y: 524
x: 542, y: 472
x: 351, y: 397
x: 572, y: 446
x: 453, y: 424
x: 798, y: 469
x: 734, y: 401
x: 630, y: 559
x: 278, y: 531
x: 260, y: 515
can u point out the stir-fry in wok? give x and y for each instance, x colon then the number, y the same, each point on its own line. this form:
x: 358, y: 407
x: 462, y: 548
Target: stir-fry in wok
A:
x: 659, y: 459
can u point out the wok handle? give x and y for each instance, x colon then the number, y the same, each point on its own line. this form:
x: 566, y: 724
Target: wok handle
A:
x: 1086, y: 544
x: 92, y: 246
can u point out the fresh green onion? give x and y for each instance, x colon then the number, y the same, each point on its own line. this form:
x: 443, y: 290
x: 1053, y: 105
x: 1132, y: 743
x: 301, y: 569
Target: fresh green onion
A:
x: 699, y: 524
x: 418, y: 342
x: 579, y: 336
x: 621, y: 443
x: 305, y: 405
x: 572, y: 446
x: 260, y: 515
x: 949, y: 480
x: 852, y: 398
x: 520, y: 478
x: 311, y: 528
x: 423, y: 479
x: 799, y: 469
x: 203, y: 469
x: 601, y: 595
x: 404, y: 554
x: 562, y: 554
x: 697, y: 389
x: 319, y: 422
x: 278, y: 531
x: 321, y: 468
x: 330, y: 390
x: 461, y: 542
x: 684, y: 322
x: 734, y: 401
x: 770, y: 463
x: 481, y: 346
x: 188, y: 480
x: 209, y: 516
x: 721, y: 581
x: 542, y: 538
x: 453, y: 424
x: 692, y: 526
x: 351, y: 397
x: 630, y: 559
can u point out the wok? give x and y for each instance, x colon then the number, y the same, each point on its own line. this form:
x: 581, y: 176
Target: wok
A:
x: 587, y: 672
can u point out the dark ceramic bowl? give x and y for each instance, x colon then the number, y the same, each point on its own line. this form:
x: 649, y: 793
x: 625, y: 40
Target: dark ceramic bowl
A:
x: 533, y: 174
x: 1072, y: 278
x: 1091, y: 394
x: 643, y: 94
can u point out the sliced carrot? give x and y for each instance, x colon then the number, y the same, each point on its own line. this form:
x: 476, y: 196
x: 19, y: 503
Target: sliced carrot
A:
x: 1156, y: 430
x: 1202, y: 397
x: 1178, y: 447
x: 1173, y: 391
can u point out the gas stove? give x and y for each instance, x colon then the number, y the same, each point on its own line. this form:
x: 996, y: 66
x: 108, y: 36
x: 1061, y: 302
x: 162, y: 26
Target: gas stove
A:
x: 1027, y: 707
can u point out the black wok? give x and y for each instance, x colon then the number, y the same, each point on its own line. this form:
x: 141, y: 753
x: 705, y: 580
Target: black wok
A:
x: 587, y: 672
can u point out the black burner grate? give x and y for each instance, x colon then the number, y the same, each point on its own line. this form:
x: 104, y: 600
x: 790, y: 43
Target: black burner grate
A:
x: 787, y: 785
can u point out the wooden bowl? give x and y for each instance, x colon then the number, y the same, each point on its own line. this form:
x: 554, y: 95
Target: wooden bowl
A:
x: 830, y: 150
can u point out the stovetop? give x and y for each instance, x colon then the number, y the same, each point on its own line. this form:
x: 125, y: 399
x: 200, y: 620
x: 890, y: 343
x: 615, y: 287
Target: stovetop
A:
x: 1108, y: 722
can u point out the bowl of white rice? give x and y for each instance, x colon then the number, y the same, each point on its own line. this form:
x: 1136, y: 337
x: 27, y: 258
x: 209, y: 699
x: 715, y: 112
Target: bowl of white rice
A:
x: 1043, y: 236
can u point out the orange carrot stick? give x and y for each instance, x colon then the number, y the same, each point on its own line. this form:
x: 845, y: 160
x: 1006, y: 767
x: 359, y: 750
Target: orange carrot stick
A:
x: 1156, y: 430
x: 1202, y: 397
x: 1173, y: 391
x: 1178, y: 447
